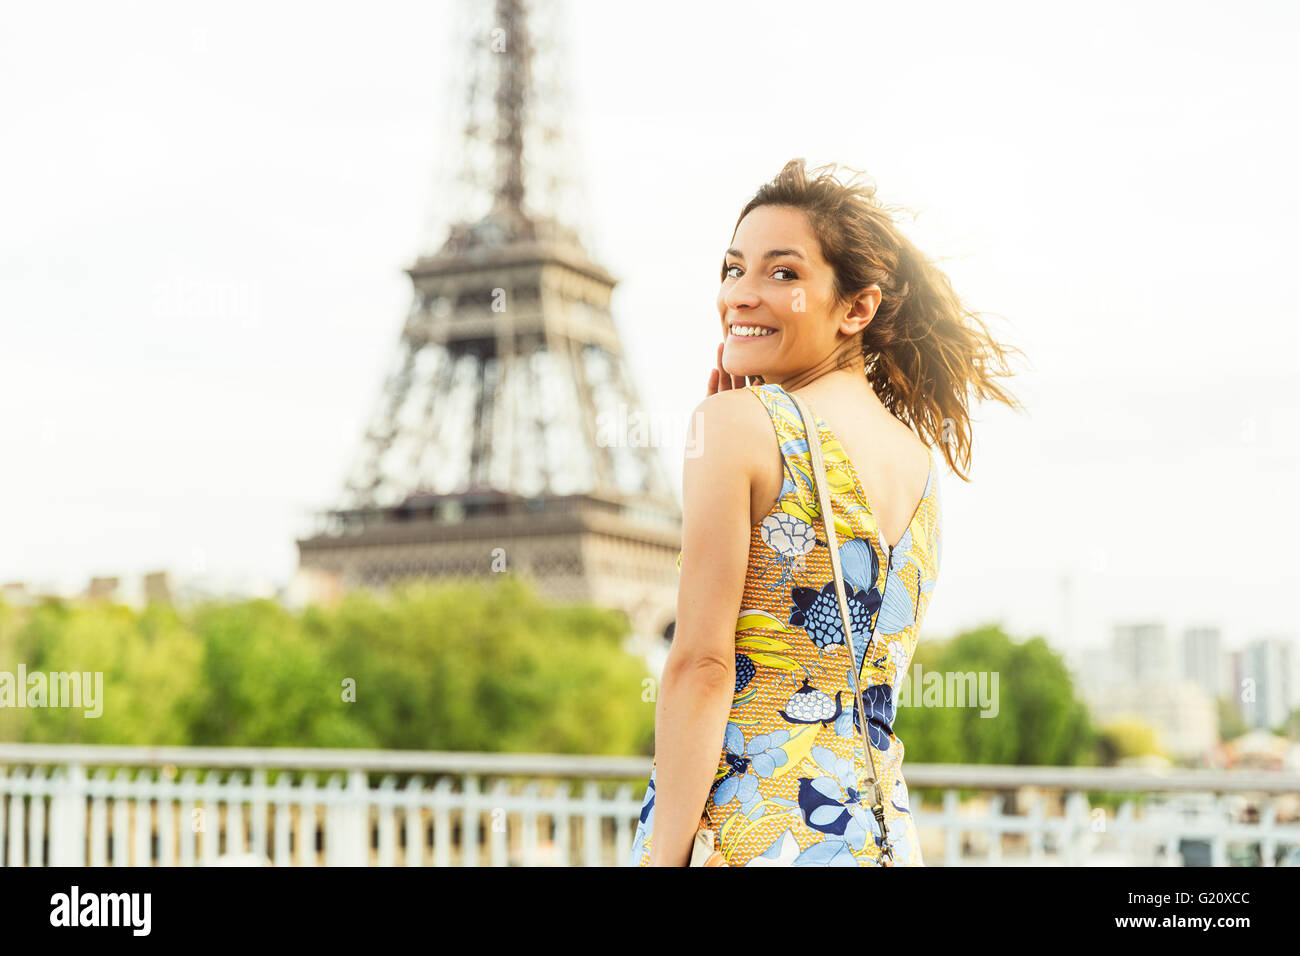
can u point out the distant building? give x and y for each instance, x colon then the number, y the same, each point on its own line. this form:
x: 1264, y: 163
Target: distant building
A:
x: 1265, y: 682
x: 510, y: 426
x: 29, y: 594
x: 102, y: 589
x: 158, y: 587
x: 1140, y: 655
x: 1259, y: 750
x: 14, y: 592
x: 1138, y: 680
x: 1204, y: 662
x: 1089, y: 668
x: 1185, y: 717
x: 139, y: 590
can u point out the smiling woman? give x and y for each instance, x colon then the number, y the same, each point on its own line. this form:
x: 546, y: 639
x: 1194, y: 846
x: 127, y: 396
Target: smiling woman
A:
x: 822, y: 296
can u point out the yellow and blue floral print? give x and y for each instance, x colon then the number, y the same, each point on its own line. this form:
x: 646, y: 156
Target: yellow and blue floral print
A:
x: 790, y: 783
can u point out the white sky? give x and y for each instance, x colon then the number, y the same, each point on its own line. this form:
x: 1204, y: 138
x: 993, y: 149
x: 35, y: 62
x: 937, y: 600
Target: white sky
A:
x: 205, y: 211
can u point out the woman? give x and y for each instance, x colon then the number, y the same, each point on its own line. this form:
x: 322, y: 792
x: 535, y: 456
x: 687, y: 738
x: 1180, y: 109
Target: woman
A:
x: 821, y: 295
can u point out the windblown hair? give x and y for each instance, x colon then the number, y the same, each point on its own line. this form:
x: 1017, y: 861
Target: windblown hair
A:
x: 924, y: 352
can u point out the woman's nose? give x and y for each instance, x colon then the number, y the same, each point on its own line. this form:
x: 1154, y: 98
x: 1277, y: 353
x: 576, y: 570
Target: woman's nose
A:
x: 740, y: 294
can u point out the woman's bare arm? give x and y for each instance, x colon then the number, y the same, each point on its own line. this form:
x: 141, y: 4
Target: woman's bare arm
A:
x: 699, y: 677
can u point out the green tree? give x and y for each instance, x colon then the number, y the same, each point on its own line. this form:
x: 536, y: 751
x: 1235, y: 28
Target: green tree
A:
x: 1230, y: 723
x: 469, y: 665
x: 1039, y: 720
x: 1290, y: 728
x: 264, y: 683
x: 450, y: 665
x: 147, y: 664
x: 1129, y: 737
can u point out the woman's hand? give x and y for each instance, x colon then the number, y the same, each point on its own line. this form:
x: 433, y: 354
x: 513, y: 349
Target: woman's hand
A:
x: 720, y: 380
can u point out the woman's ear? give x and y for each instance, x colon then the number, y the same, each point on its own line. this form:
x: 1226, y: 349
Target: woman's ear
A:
x: 865, y: 304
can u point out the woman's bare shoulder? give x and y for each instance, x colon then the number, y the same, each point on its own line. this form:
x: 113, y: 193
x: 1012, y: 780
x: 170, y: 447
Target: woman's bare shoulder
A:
x: 735, y: 424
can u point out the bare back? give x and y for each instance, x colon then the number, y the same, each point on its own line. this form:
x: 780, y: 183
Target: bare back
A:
x: 891, y: 461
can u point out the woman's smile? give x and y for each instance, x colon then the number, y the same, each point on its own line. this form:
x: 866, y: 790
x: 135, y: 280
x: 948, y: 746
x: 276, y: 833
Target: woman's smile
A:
x: 742, y: 331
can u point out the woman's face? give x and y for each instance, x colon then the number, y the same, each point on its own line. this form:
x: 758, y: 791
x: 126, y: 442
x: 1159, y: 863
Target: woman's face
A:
x: 775, y: 278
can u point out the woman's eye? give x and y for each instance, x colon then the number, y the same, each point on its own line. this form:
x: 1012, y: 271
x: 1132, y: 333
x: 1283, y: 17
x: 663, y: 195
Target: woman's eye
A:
x: 726, y: 271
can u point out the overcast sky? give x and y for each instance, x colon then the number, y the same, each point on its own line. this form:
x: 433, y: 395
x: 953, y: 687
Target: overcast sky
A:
x: 205, y: 211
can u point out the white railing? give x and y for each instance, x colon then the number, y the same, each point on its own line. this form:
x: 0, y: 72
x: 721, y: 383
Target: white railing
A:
x: 69, y: 805
x: 1164, y: 816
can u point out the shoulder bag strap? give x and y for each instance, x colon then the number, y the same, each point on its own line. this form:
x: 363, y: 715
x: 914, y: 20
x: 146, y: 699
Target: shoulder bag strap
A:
x: 828, y: 523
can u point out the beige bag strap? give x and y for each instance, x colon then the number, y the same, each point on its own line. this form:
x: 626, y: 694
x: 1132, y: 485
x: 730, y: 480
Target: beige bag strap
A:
x: 828, y: 523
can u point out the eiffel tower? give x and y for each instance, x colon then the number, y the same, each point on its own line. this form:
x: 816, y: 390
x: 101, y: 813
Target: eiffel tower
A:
x: 506, y: 436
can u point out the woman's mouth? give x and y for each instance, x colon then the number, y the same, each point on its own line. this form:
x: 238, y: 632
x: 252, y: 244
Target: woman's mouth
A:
x: 750, y: 331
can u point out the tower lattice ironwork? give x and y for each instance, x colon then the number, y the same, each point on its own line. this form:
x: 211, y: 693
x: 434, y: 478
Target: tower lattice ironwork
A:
x: 508, y: 434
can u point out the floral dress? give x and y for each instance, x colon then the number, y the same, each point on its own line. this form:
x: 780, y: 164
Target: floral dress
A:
x: 790, y: 787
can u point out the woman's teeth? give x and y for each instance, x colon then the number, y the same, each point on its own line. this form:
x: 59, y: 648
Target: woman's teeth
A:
x: 750, y: 330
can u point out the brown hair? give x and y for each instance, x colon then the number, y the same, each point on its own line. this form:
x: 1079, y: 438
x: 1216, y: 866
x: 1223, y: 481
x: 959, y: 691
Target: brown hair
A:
x: 923, y: 351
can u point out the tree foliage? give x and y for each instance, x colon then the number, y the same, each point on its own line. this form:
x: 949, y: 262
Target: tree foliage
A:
x: 461, y: 665
x: 458, y: 665
x: 1038, y: 718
